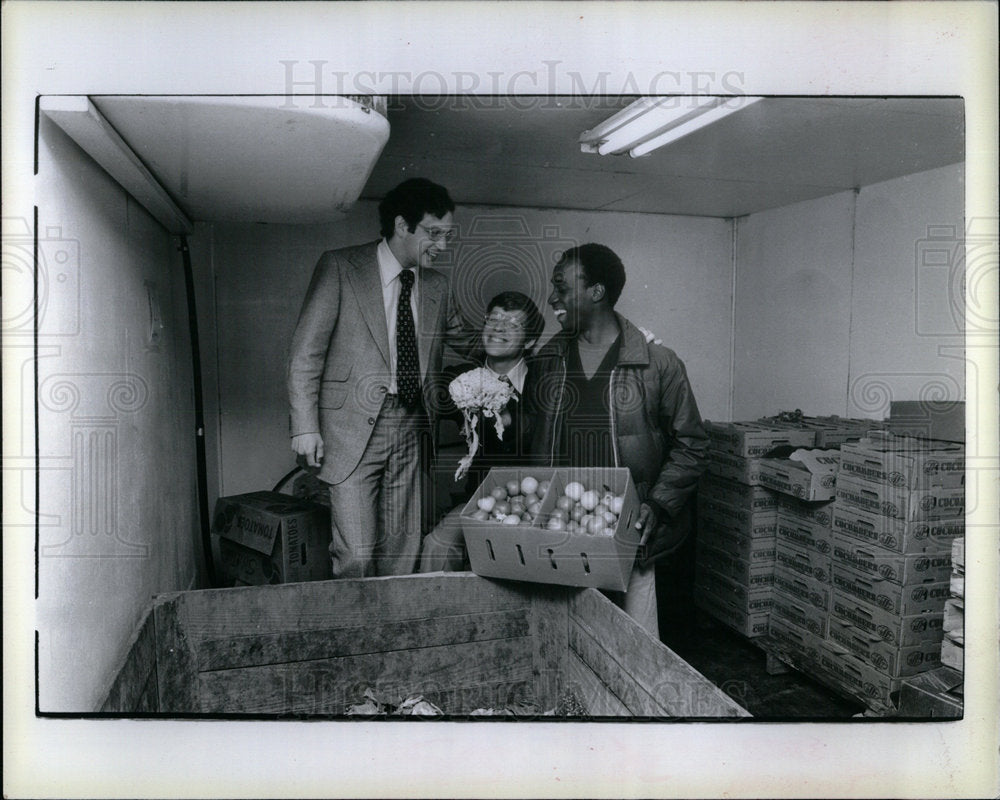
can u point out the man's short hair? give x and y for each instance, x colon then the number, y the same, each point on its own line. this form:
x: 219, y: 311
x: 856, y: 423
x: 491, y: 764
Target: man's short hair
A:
x: 411, y: 200
x: 601, y: 265
x: 516, y: 301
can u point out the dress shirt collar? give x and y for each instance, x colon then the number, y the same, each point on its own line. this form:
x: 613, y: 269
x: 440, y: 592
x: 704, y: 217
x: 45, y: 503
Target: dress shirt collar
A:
x: 388, y: 266
x: 516, y: 375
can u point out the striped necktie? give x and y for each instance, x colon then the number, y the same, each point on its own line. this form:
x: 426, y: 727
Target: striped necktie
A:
x: 407, y: 360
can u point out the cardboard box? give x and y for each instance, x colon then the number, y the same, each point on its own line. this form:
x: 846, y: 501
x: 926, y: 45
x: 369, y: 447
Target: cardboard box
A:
x: 804, y: 536
x: 958, y: 554
x: 804, y: 644
x: 909, y: 505
x: 925, y: 536
x: 266, y: 537
x: 953, y: 654
x: 750, y: 625
x: 806, y: 475
x: 800, y: 561
x: 832, y: 665
x: 892, y: 660
x: 954, y: 619
x: 736, y: 494
x: 817, y: 514
x: 896, y: 629
x: 802, y: 589
x: 732, y: 566
x: 736, y: 468
x: 801, y: 614
x: 888, y: 564
x: 741, y: 520
x: 902, y: 600
x: 937, y: 694
x: 852, y: 675
x: 756, y: 550
x: 755, y: 439
x: 904, y: 462
x: 752, y: 601
x: 532, y: 553
x: 942, y: 420
x: 831, y: 431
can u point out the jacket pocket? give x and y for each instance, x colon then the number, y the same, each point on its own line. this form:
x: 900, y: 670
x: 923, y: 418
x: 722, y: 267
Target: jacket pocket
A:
x: 332, y: 394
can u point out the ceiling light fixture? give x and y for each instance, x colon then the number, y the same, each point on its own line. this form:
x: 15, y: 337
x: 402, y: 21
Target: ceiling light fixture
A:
x: 652, y: 122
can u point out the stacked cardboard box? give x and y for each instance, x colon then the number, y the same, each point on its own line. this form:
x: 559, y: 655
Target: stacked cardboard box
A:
x: 737, y: 525
x: 939, y: 693
x: 953, y: 644
x: 899, y: 506
x: 831, y: 431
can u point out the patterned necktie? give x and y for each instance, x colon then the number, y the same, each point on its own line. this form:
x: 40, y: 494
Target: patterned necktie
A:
x: 407, y: 361
x: 505, y: 379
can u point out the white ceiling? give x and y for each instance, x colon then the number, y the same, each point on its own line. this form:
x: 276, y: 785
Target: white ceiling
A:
x: 775, y: 152
x: 249, y: 158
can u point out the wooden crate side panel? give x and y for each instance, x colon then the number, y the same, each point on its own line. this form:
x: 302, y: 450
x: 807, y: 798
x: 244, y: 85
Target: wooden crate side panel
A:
x: 319, y: 605
x: 328, y: 686
x: 175, y: 659
x: 310, y: 645
x: 597, y: 698
x: 645, y: 674
x: 549, y: 626
x: 609, y: 670
x: 131, y: 687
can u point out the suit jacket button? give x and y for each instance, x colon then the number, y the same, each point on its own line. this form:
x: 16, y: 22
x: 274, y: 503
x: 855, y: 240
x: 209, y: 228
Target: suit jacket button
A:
x: 371, y: 420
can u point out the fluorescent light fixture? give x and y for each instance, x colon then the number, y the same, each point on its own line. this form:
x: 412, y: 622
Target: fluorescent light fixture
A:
x: 652, y: 122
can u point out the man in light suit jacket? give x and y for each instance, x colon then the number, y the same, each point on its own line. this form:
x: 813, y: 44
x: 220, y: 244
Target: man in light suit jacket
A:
x: 362, y: 373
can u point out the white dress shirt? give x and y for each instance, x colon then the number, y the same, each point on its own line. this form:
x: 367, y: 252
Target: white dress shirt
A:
x: 516, y: 375
x: 389, y: 269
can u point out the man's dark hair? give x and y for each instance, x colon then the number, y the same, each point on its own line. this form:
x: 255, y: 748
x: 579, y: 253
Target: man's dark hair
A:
x: 515, y: 301
x: 411, y: 200
x: 601, y: 265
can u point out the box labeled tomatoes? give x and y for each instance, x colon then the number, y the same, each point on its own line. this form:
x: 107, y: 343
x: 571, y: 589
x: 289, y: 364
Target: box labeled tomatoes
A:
x: 572, y: 526
x: 266, y: 537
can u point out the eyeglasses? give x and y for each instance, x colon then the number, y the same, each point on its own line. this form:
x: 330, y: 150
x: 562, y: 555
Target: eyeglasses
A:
x: 437, y: 234
x: 497, y: 322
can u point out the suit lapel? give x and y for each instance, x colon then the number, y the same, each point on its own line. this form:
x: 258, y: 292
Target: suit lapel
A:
x: 431, y: 297
x: 367, y: 284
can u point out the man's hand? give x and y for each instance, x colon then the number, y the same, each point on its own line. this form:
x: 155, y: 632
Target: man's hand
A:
x: 308, y: 448
x: 660, y: 537
x: 646, y: 523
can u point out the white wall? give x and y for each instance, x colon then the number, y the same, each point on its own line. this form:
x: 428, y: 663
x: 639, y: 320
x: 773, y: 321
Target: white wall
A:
x: 679, y: 285
x: 907, y: 337
x: 847, y: 302
x: 118, y: 510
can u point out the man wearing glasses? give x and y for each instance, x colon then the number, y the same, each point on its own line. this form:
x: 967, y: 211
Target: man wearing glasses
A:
x: 366, y: 348
x: 511, y: 329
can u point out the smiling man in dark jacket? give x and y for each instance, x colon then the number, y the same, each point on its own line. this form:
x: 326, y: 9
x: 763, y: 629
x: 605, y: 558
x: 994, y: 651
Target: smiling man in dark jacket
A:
x: 610, y: 398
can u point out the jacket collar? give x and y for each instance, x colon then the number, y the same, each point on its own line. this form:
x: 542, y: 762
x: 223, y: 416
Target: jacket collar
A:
x: 634, y: 350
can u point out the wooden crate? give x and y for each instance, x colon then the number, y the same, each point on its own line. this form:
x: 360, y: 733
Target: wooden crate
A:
x: 462, y: 641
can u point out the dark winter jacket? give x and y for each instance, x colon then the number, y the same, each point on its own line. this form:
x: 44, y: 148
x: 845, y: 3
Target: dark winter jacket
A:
x: 656, y: 429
